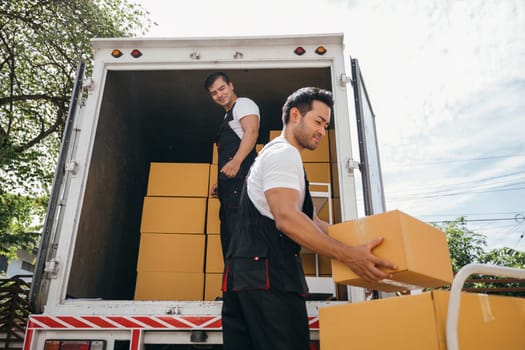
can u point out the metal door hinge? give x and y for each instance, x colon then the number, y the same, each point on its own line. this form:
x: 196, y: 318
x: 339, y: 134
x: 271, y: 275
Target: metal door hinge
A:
x: 51, y: 267
x: 72, y: 167
x: 344, y: 79
x: 352, y: 165
x: 88, y: 84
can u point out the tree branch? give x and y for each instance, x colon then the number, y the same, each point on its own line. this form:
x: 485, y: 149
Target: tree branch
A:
x: 44, y: 133
x: 32, y: 97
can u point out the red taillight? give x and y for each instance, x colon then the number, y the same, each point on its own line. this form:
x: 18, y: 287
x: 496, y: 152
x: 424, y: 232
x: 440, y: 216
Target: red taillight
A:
x: 75, y: 345
x: 314, y: 345
x: 136, y: 53
x: 52, y: 345
x: 299, y: 51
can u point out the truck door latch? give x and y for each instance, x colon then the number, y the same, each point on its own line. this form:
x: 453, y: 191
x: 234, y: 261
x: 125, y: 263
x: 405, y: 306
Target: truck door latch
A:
x: 51, y: 267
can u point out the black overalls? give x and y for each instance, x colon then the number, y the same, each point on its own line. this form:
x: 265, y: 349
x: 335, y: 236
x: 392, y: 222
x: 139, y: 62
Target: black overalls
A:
x: 229, y: 189
x: 264, y: 285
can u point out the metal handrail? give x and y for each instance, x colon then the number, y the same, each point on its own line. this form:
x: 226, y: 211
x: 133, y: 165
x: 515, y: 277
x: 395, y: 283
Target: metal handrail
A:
x: 455, y: 294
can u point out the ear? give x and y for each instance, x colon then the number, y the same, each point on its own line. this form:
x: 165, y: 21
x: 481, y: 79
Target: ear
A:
x: 295, y: 115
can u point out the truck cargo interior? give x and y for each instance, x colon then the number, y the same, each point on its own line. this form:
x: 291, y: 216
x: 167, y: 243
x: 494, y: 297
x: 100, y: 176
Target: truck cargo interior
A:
x: 158, y: 116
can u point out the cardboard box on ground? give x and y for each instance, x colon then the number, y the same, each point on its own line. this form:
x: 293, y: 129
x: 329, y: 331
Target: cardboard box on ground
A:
x: 416, y: 322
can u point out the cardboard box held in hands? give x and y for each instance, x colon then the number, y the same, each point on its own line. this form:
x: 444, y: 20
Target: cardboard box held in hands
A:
x: 419, y: 250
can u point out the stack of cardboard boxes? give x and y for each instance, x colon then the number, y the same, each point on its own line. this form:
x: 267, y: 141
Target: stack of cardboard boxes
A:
x: 180, y: 255
x: 172, y: 243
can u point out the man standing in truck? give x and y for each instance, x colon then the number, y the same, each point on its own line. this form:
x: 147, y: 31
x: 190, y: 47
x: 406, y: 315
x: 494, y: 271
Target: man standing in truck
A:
x: 236, y: 141
x: 263, y: 283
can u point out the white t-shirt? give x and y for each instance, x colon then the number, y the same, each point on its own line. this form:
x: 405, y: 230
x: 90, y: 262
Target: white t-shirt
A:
x: 243, y: 107
x: 278, y: 165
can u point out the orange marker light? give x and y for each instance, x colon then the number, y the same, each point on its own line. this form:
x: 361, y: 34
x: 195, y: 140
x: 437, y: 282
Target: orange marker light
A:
x: 116, y: 53
x: 320, y: 50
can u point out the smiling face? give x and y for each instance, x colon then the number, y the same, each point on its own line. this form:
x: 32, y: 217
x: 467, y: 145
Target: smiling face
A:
x: 222, y: 93
x: 309, y: 129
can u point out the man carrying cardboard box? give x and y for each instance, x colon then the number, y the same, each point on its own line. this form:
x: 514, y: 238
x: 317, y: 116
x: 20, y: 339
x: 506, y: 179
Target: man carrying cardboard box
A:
x: 264, y: 284
x: 236, y: 149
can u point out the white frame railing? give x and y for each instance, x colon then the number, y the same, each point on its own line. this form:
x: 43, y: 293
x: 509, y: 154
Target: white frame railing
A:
x: 455, y: 294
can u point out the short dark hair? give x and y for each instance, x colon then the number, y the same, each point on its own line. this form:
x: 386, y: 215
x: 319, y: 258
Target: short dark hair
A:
x: 213, y: 77
x: 302, y: 99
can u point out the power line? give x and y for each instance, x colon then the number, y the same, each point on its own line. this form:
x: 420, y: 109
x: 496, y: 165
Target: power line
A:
x: 481, y: 184
x: 450, y: 161
x: 459, y: 193
x: 479, y: 214
x: 473, y: 220
x: 517, y: 217
x: 471, y: 182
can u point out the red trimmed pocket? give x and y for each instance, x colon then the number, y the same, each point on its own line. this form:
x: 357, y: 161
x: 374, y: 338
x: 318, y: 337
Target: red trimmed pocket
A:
x: 249, y: 273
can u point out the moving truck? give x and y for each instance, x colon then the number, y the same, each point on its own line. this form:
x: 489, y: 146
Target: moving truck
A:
x: 105, y: 279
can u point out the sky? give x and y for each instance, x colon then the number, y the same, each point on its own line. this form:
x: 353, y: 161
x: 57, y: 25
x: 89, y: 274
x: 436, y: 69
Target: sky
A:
x: 446, y: 79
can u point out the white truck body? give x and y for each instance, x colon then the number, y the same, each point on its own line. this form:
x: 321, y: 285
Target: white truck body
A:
x: 154, y: 108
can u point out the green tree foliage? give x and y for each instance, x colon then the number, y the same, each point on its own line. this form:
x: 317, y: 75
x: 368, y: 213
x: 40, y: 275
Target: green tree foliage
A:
x: 16, y: 215
x: 505, y: 257
x: 41, y: 44
x: 467, y: 246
